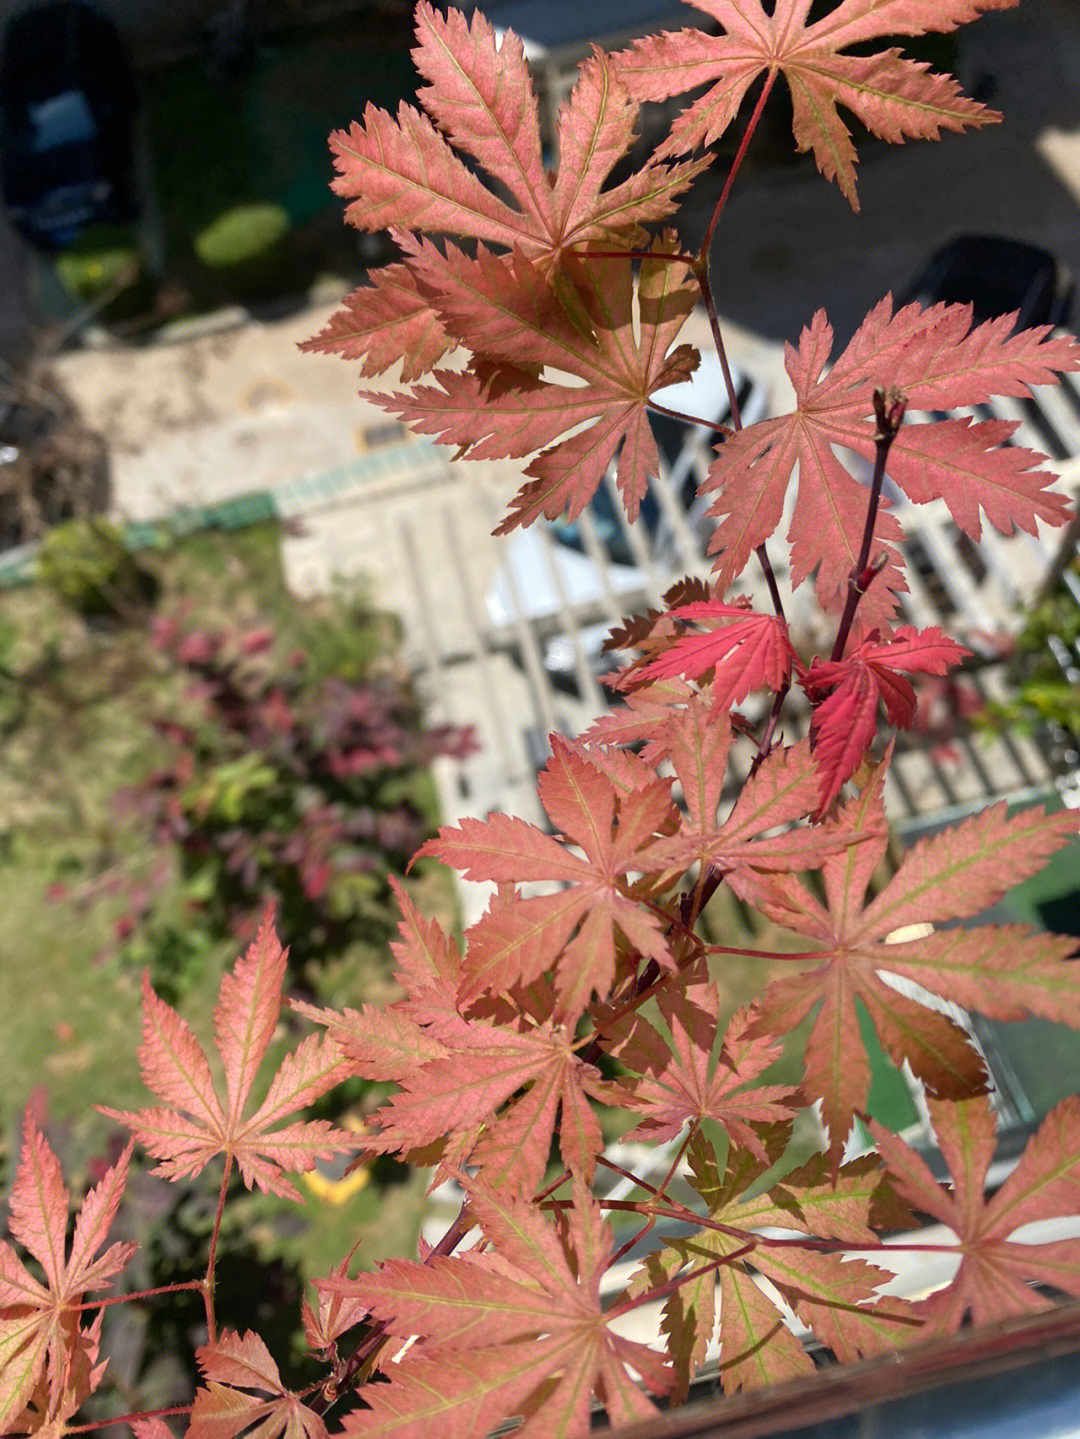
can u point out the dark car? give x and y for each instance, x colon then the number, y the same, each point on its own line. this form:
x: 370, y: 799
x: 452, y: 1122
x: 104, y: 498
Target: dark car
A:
x: 67, y: 110
x: 996, y: 276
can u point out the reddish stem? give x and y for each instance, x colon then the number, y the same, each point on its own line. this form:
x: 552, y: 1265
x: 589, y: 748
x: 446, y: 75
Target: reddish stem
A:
x: 889, y: 410
x: 680, y: 259
x: 126, y: 1419
x: 740, y: 155
x: 187, y: 1285
x: 663, y: 1290
x: 208, y: 1282
x: 724, y: 430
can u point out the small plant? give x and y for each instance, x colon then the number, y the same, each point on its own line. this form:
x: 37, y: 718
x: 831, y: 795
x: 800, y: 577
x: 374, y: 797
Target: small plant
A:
x: 1044, y: 664
x: 90, y: 567
x: 103, y: 262
x: 586, y: 981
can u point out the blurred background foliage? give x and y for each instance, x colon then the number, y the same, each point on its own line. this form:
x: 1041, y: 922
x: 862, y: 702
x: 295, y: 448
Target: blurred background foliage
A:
x: 180, y: 742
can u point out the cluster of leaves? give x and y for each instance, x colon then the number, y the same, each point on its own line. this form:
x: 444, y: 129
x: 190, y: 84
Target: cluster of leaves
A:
x: 565, y: 312
x: 1044, y: 660
x: 287, y: 784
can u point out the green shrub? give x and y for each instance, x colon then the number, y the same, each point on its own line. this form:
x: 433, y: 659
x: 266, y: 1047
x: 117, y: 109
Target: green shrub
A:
x: 104, y: 260
x: 246, y: 247
x: 89, y: 567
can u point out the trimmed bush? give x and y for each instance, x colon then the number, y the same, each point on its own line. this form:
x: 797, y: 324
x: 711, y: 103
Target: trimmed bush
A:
x: 246, y: 247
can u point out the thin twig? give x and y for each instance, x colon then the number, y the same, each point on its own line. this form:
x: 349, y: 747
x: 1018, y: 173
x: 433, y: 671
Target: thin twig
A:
x: 889, y: 409
x: 723, y: 430
x: 740, y: 155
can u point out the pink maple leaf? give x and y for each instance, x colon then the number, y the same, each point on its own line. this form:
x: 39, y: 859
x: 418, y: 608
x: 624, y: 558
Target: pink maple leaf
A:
x: 47, y: 1358
x: 195, y: 1125
x: 997, y: 1267
x: 893, y: 97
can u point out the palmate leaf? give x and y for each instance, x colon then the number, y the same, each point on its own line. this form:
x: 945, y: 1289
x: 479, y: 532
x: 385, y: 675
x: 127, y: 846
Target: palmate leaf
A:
x: 196, y: 1126
x: 575, y: 929
x: 893, y: 97
x: 405, y: 175
x: 536, y: 1075
x: 503, y: 309
x: 744, y: 651
x: 232, y: 1367
x: 691, y: 1087
x: 1005, y: 973
x: 520, y: 1331
x: 833, y: 1297
x: 781, y: 792
x: 48, y: 1360
x: 997, y: 1266
x: 937, y: 361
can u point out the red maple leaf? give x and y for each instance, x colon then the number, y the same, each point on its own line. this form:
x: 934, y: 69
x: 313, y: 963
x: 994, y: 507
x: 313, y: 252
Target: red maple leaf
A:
x: 232, y: 1367
x: 847, y: 693
x: 573, y: 930
x: 893, y: 97
x: 997, y: 1267
x: 745, y: 651
x: 520, y: 1332
x: 937, y: 361
x: 536, y: 1075
x: 1003, y: 972
x: 47, y: 1359
x: 780, y: 792
x: 504, y: 309
x: 196, y: 1125
x: 693, y: 1086
x: 405, y: 174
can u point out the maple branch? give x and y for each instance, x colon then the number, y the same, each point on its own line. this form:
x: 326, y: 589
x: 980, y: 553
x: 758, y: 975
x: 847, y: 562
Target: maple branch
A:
x: 651, y: 977
x: 701, y: 271
x: 126, y: 1419
x: 740, y: 155
x: 723, y: 430
x: 766, y: 741
x: 208, y: 1282
x: 633, y: 1242
x: 790, y: 954
x: 649, y: 1296
x: 673, y: 1210
x: 376, y: 1337
x: 188, y: 1284
x: 626, y: 1174
x: 889, y: 409
x: 762, y: 553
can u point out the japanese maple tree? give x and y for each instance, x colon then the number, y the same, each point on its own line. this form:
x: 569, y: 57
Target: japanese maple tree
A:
x: 534, y: 315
